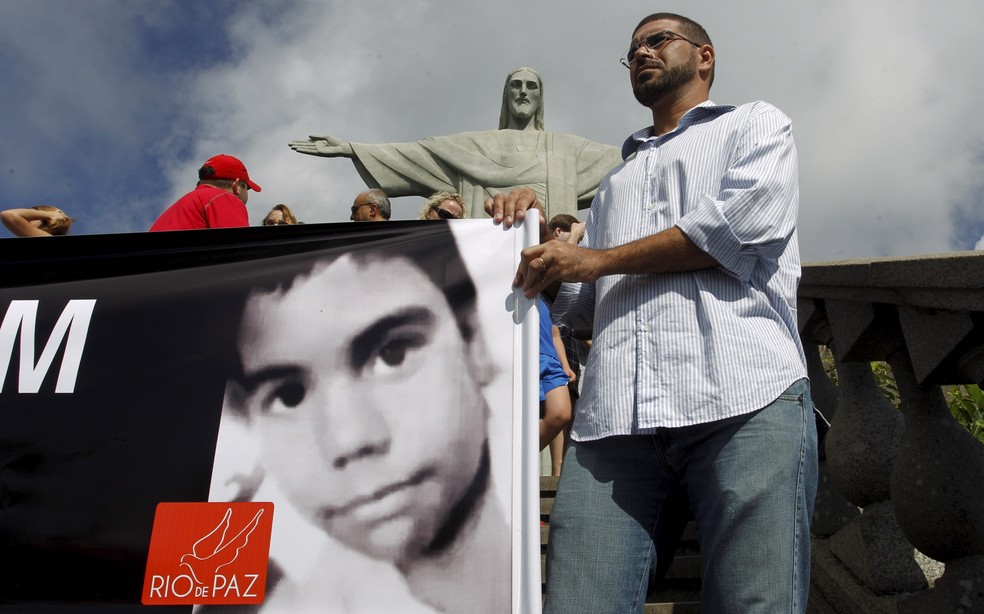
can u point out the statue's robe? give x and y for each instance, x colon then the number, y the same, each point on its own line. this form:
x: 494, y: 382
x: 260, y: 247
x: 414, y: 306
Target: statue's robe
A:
x: 563, y: 169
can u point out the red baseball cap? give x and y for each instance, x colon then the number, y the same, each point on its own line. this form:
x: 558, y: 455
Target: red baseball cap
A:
x: 226, y: 167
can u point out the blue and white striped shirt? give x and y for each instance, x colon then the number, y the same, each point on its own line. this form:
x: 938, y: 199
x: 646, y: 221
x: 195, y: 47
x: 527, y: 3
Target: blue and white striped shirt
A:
x: 676, y: 349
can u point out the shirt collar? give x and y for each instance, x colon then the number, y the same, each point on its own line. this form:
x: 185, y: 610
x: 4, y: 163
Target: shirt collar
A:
x: 698, y: 112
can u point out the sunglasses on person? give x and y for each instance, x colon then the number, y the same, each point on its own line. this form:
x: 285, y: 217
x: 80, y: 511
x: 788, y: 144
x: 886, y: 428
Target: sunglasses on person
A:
x: 444, y: 214
x: 275, y: 223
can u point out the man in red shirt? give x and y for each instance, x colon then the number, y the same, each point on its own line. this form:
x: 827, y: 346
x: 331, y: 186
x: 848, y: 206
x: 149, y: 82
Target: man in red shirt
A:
x: 219, y: 201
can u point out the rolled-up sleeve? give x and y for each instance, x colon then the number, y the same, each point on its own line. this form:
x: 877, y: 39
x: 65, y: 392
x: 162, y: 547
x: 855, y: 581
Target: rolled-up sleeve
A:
x: 753, y: 215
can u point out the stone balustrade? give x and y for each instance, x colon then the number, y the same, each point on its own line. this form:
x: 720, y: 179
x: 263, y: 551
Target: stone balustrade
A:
x: 899, y: 521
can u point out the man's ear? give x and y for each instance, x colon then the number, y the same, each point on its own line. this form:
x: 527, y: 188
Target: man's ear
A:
x: 706, y: 58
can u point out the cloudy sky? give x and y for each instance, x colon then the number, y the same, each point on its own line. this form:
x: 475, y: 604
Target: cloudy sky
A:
x: 110, y: 106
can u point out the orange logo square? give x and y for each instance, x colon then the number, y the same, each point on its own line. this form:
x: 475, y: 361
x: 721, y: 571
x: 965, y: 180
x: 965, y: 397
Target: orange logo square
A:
x: 208, y: 553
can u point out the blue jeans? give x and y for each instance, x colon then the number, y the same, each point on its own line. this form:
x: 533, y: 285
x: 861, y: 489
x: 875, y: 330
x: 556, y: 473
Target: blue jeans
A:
x: 750, y: 481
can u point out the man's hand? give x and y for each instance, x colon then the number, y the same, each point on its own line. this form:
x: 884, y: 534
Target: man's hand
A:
x: 326, y: 146
x: 508, y: 209
x: 577, y: 233
x: 543, y: 264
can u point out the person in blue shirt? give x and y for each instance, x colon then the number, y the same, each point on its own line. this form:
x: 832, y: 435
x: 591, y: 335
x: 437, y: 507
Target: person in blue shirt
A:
x: 555, y: 374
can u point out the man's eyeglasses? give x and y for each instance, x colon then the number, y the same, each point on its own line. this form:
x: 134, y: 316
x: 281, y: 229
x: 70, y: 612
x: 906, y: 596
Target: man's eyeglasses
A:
x: 358, y: 206
x: 444, y: 214
x: 653, y: 42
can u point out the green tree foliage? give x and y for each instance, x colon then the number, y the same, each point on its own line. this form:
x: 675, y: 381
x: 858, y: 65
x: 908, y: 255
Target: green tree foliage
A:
x: 966, y: 401
x: 967, y: 405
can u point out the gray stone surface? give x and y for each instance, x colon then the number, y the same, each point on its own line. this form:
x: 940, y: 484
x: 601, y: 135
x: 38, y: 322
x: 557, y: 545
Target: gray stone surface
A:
x: 944, y: 281
x: 835, y: 590
x: 937, y: 484
x: 863, y: 439
x: 959, y: 591
x: 933, y: 339
x: 873, y: 547
x: 925, y: 311
x: 831, y: 510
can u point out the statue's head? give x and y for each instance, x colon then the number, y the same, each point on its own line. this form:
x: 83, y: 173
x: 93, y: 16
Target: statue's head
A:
x: 522, y: 100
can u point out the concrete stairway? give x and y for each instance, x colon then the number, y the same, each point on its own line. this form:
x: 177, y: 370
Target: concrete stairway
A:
x: 677, y: 593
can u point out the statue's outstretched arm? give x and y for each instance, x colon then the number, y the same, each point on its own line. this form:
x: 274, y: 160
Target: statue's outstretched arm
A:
x: 326, y: 146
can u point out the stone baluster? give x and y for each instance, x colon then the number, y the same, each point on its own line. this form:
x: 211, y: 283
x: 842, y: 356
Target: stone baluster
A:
x: 861, y: 448
x: 831, y: 511
x: 937, y: 491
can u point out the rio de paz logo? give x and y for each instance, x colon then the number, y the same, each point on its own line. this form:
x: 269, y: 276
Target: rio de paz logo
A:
x: 208, y: 553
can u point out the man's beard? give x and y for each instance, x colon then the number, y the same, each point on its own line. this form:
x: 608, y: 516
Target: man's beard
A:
x: 658, y: 87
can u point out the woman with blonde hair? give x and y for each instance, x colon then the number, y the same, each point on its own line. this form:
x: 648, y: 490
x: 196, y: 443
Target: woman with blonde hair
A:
x: 280, y: 215
x: 38, y: 221
x: 444, y: 206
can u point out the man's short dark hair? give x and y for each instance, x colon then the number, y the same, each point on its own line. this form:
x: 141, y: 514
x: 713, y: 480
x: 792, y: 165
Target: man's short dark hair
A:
x: 438, y: 257
x: 563, y: 221
x: 688, y: 27
x: 431, y: 248
x: 206, y: 176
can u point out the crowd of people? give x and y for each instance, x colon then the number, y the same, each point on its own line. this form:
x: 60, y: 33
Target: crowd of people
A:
x: 673, y: 379
x: 219, y: 201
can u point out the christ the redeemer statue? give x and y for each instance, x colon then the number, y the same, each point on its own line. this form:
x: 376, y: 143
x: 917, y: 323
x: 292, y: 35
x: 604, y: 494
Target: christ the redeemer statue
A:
x: 563, y: 169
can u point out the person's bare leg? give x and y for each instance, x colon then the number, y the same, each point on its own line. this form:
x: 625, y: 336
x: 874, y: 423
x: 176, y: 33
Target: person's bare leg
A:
x: 557, y: 452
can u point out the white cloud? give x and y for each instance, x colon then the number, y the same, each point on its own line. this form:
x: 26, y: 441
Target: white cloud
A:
x: 882, y: 95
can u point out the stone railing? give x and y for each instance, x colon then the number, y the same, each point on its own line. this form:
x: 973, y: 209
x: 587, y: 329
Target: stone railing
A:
x: 899, y: 521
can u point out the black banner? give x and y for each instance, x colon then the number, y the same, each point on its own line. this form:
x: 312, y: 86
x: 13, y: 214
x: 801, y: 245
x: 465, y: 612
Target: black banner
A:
x: 119, y: 354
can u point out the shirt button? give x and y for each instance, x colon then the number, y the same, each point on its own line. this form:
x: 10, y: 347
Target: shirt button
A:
x: 645, y: 328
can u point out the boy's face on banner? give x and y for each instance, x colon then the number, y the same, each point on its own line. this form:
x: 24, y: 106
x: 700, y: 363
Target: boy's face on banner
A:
x: 369, y: 410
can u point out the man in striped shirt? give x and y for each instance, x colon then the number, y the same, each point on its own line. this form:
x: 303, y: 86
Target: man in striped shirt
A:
x: 696, y: 389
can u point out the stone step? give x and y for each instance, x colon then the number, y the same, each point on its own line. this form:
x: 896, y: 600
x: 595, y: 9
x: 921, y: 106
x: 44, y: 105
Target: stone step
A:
x: 679, y: 607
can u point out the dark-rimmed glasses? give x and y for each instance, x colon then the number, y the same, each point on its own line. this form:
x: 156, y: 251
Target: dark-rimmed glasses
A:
x: 653, y: 42
x: 359, y: 206
x: 275, y: 223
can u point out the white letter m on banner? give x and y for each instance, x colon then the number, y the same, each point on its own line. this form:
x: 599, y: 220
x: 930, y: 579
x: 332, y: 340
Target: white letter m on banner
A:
x: 73, y: 322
